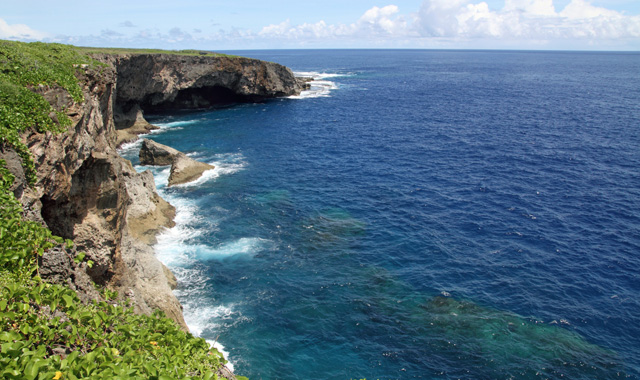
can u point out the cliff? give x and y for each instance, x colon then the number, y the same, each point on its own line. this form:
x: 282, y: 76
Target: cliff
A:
x: 161, y: 82
x: 84, y: 191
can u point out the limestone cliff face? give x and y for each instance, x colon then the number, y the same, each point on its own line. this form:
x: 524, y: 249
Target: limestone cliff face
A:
x: 86, y: 192
x: 161, y: 81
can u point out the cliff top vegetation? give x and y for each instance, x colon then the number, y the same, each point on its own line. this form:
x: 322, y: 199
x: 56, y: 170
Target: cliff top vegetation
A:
x: 23, y: 68
x: 190, y: 52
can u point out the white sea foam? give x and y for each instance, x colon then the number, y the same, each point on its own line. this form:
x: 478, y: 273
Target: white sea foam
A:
x: 317, y: 75
x: 319, y: 86
x: 200, y: 318
x: 130, y: 147
x: 179, y: 248
x: 173, y: 124
x: 243, y: 247
x: 224, y: 352
x: 174, y: 247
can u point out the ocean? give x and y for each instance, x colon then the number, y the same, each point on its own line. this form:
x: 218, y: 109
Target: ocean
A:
x: 417, y: 214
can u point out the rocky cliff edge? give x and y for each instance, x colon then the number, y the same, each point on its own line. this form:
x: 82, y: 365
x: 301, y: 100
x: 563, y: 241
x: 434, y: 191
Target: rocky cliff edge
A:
x: 87, y: 193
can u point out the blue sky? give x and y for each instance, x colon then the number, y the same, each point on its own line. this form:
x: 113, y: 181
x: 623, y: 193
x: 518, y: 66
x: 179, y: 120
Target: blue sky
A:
x: 274, y: 24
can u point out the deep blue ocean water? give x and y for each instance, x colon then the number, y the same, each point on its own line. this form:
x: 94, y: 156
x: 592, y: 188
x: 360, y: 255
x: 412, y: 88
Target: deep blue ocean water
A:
x: 417, y: 215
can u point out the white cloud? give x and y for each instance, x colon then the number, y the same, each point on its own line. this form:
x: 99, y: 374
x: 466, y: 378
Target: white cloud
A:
x: 580, y: 9
x: 380, y: 21
x: 374, y: 22
x: 19, y: 32
x: 527, y: 21
x: 523, y: 20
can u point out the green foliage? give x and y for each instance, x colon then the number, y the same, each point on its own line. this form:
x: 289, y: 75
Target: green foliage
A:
x: 91, y: 50
x: 80, y: 257
x: 46, y: 330
x: 37, y: 63
x: 23, y: 67
x: 20, y: 241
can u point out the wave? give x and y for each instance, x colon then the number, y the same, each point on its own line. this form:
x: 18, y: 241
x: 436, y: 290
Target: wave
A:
x: 243, y: 247
x: 173, y: 125
x: 320, y: 87
x: 128, y: 149
x: 319, y: 76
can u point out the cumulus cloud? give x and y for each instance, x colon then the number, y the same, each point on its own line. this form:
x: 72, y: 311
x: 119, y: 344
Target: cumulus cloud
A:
x: 522, y: 20
x: 374, y: 22
x: 19, y: 32
x: 531, y: 7
x: 178, y: 35
x: 110, y: 33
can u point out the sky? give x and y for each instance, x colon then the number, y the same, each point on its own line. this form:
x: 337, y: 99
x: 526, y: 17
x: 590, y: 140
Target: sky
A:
x: 289, y: 24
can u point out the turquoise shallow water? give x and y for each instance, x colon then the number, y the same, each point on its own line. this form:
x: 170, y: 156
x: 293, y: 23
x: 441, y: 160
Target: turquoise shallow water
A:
x: 419, y: 214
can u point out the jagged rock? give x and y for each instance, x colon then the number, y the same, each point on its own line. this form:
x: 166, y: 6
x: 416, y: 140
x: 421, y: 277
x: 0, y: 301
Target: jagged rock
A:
x: 143, y: 277
x: 131, y: 124
x: 86, y: 192
x: 172, y: 280
x: 148, y: 213
x: 153, y: 153
x: 304, y: 82
x: 14, y: 164
x: 185, y: 169
x: 55, y: 265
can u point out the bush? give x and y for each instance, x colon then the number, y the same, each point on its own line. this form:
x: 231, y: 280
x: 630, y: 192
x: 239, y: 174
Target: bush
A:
x: 23, y: 66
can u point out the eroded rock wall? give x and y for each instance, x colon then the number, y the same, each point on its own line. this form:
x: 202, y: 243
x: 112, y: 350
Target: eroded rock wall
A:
x: 87, y: 193
x: 162, y: 81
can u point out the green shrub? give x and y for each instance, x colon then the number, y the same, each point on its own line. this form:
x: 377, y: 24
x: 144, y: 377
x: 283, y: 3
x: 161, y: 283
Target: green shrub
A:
x: 20, y: 241
x: 23, y: 67
x: 47, y: 331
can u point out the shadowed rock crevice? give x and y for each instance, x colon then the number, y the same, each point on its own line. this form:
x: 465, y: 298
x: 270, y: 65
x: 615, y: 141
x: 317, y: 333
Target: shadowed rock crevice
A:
x: 199, y: 98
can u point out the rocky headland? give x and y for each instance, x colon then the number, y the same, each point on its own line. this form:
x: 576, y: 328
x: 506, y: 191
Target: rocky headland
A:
x: 86, y: 192
x: 163, y: 82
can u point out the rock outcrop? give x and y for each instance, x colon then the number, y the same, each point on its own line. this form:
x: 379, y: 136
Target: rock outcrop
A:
x: 153, y: 153
x: 162, y: 81
x: 183, y: 168
x: 131, y: 125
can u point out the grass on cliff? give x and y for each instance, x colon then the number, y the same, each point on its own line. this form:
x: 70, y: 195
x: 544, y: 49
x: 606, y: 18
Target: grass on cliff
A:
x: 24, y: 67
x: 190, y: 52
x: 45, y: 331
